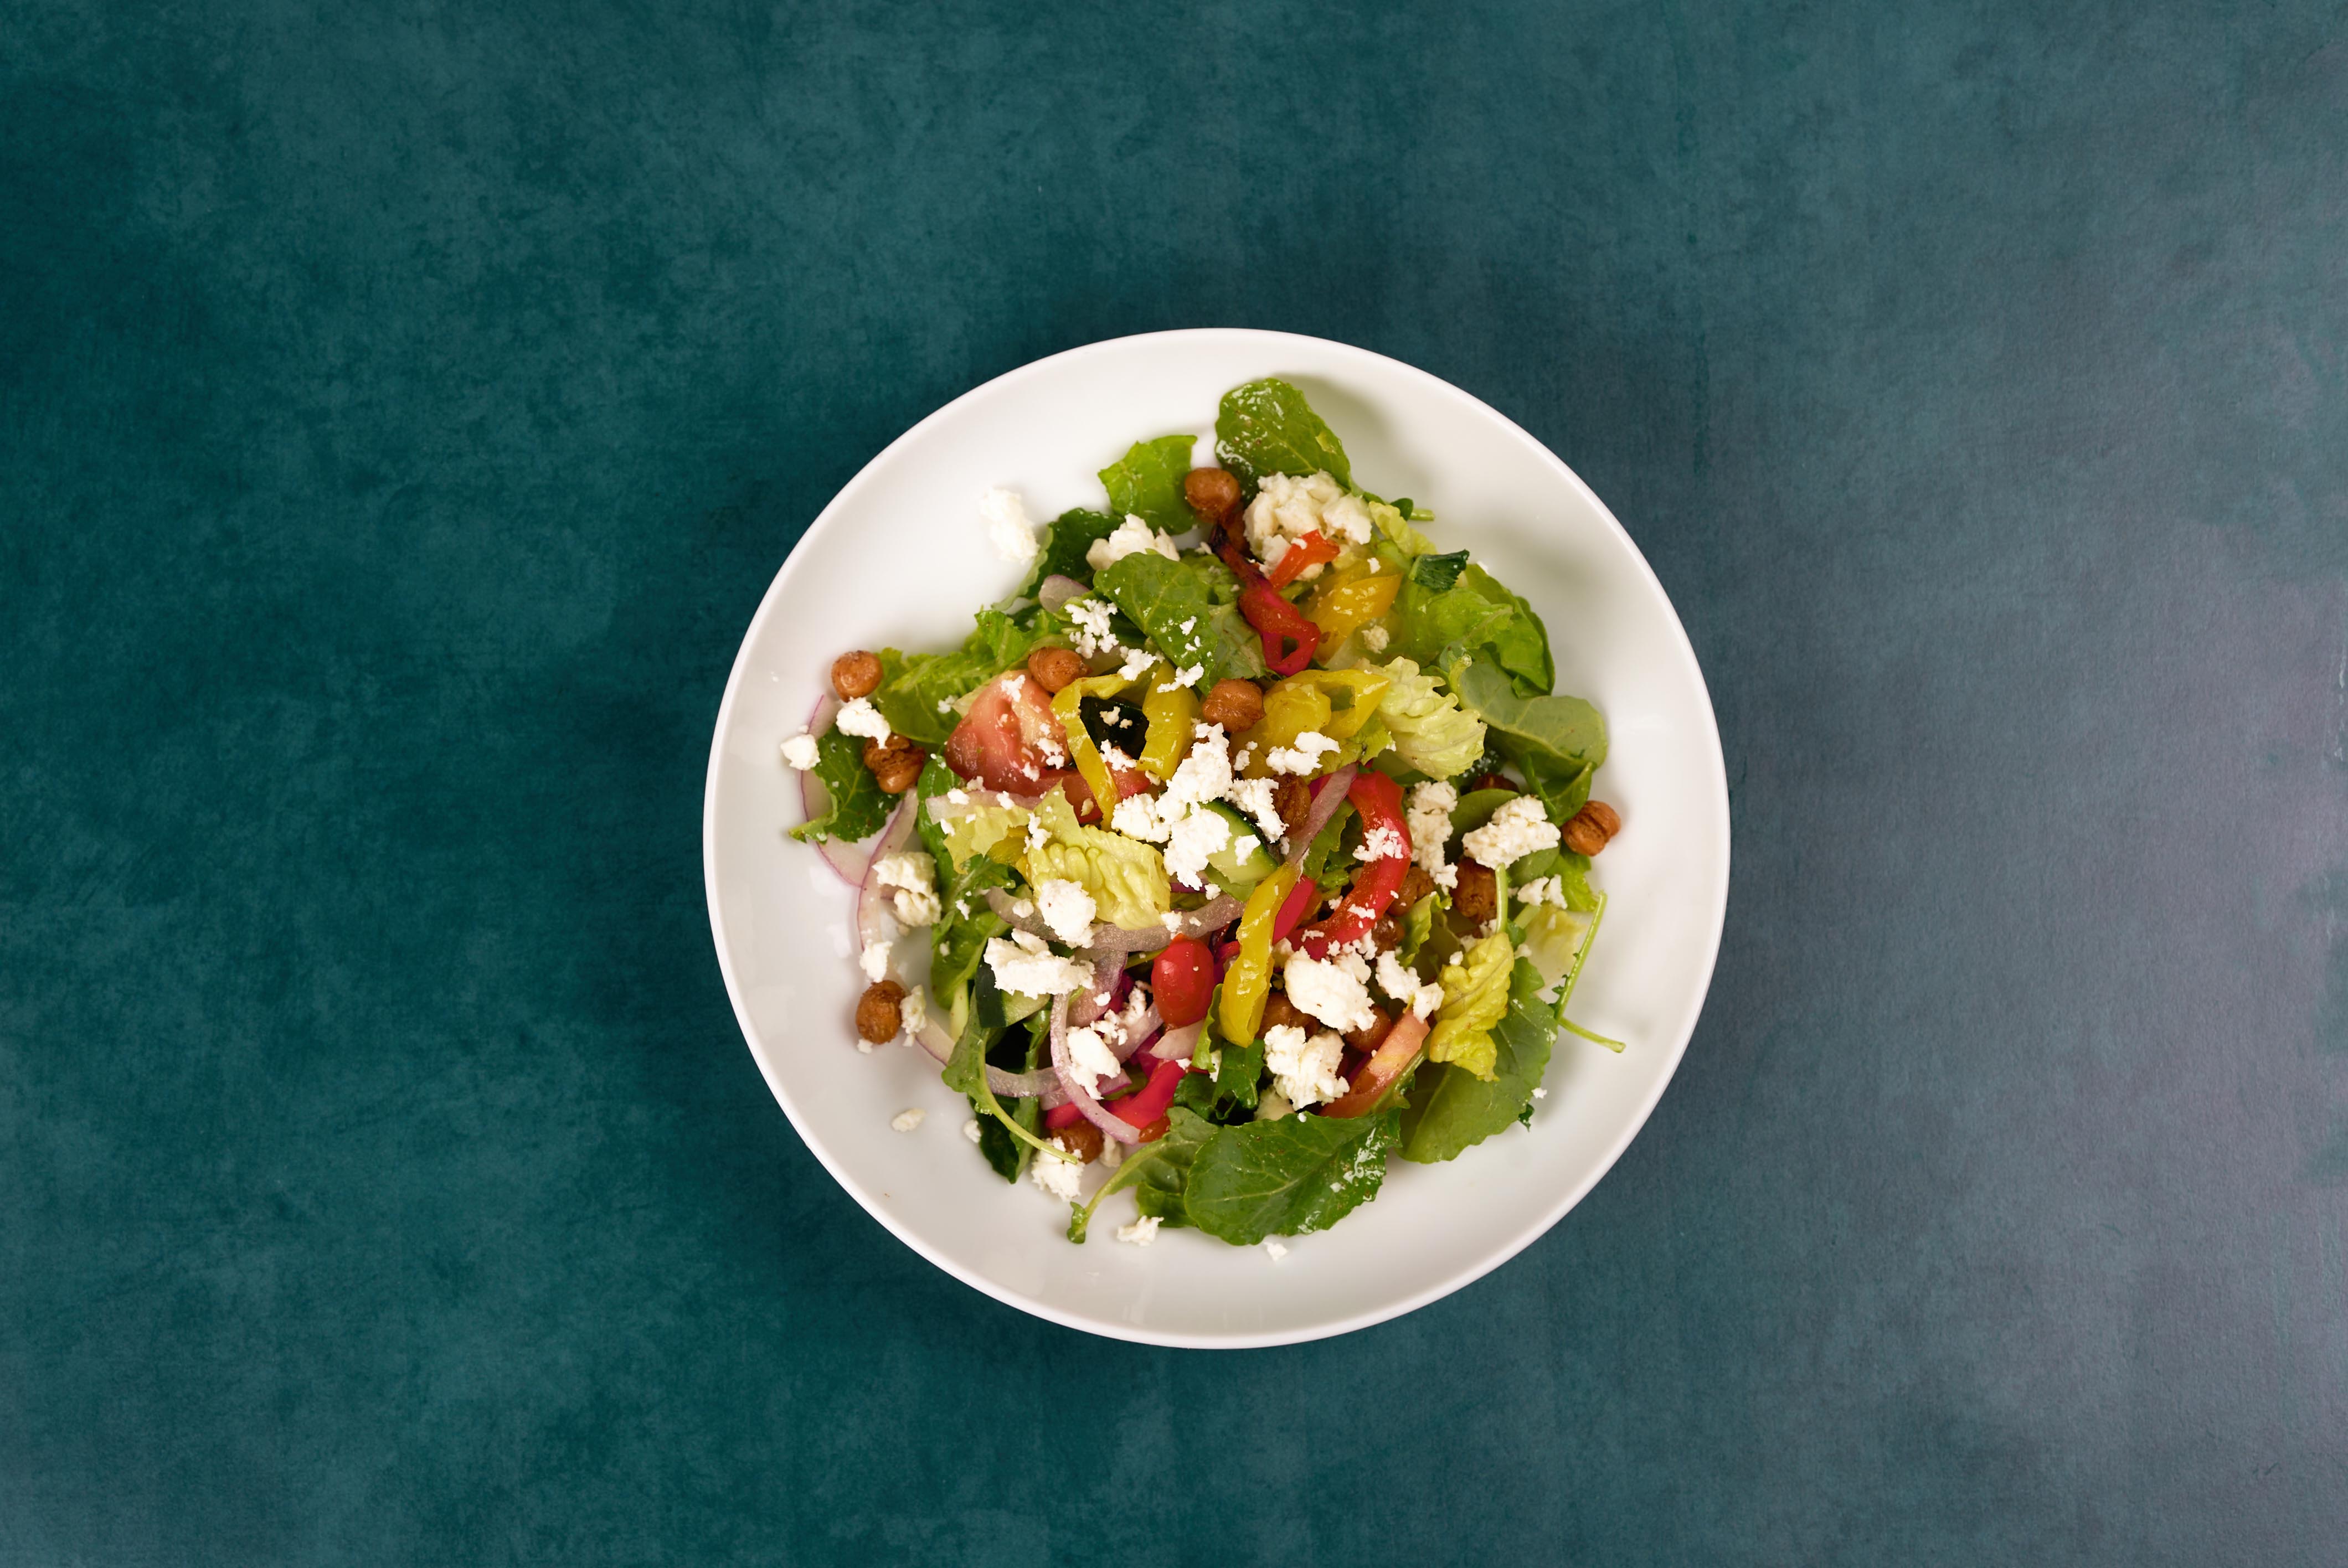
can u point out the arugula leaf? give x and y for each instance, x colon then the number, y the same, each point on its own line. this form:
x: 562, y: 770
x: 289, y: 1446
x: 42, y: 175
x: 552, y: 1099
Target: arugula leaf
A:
x: 1475, y: 615
x: 1287, y: 1177
x: 1015, y: 1053
x: 913, y: 687
x: 1571, y: 870
x: 1065, y: 539
x: 858, y: 809
x: 1189, y: 608
x: 1267, y: 427
x: 1221, y: 1095
x: 1157, y: 1172
x: 1452, y: 1110
x: 966, y: 1068
x: 1557, y: 743
x: 1147, y: 482
x: 1438, y: 573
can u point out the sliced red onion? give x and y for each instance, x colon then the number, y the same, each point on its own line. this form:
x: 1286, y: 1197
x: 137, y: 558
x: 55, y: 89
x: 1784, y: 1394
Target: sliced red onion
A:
x: 1104, y: 995
x: 1000, y: 900
x: 1088, y: 1106
x: 1057, y: 592
x: 850, y: 860
x: 1139, y: 1032
x: 1041, y: 1084
x: 873, y: 924
x: 1324, y: 806
x: 1178, y: 1044
x: 1211, y: 915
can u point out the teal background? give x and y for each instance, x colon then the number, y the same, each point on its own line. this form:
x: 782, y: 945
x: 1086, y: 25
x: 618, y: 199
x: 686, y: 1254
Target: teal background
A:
x: 403, y: 407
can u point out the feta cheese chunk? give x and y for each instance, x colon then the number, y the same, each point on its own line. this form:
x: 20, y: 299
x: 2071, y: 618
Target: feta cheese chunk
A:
x: 905, y: 1120
x: 913, y: 875
x: 874, y: 961
x: 1189, y: 841
x: 1141, y: 1231
x: 1063, y: 1179
x: 1133, y: 537
x: 1088, y: 627
x: 1287, y: 508
x: 1091, y: 1061
x: 1026, y: 966
x: 1304, y: 1068
x: 970, y: 1129
x: 1137, y: 816
x: 1254, y: 797
x: 1397, y: 981
x: 913, y: 1013
x: 1385, y: 844
x: 1303, y: 759
x: 1274, y: 1248
x: 1008, y: 528
x: 1516, y: 830
x: 1329, y: 991
x: 1067, y: 910
x: 861, y: 718
x: 1429, y: 822
x: 1271, y: 1105
x: 1374, y: 638
x: 801, y: 752
x: 1543, y: 890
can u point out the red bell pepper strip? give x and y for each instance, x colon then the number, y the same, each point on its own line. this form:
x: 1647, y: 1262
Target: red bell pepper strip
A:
x: 1289, y: 639
x: 1291, y: 910
x: 1150, y: 1102
x: 1379, y: 800
x: 1311, y: 549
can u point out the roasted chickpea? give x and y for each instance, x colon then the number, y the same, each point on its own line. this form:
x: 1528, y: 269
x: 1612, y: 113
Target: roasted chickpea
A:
x: 1236, y: 705
x: 895, y: 767
x: 881, y: 1014
x: 1294, y: 801
x: 1279, y: 1012
x: 1416, y: 885
x: 1213, y: 493
x: 1054, y: 667
x: 1387, y: 934
x: 855, y: 675
x: 1366, y: 1038
x: 1591, y: 828
x: 1476, y: 897
x: 1081, y: 1138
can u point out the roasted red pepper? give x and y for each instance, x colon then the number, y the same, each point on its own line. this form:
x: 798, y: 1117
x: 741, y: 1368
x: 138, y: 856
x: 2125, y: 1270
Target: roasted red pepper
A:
x: 1310, y: 550
x: 1148, y: 1103
x: 1289, y: 639
x: 1379, y: 800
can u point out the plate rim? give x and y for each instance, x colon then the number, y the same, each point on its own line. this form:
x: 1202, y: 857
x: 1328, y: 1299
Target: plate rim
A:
x: 1134, y: 1334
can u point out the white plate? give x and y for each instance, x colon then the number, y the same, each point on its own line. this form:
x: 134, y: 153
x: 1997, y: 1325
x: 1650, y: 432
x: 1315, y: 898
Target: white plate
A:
x: 900, y: 558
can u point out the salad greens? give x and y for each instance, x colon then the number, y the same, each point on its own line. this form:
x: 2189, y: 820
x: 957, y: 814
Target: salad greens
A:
x: 1251, y: 841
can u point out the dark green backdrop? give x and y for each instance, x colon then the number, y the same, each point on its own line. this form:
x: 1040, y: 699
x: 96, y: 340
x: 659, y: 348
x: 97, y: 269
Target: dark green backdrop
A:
x: 403, y: 407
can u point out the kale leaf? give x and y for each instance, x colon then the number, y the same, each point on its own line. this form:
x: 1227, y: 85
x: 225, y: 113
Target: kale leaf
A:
x: 1267, y: 427
x: 858, y: 809
x: 1286, y: 1177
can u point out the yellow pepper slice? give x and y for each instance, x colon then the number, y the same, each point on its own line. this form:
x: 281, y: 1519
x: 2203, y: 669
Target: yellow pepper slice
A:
x: 1306, y: 700
x: 1238, y: 1011
x: 1067, y: 703
x: 1352, y: 603
x: 1172, y: 711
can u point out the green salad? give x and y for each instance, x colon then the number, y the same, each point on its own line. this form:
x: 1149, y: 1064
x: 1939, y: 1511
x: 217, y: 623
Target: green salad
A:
x: 1250, y: 839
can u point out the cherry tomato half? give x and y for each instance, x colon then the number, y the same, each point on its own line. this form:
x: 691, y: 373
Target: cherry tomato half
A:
x: 1182, y: 977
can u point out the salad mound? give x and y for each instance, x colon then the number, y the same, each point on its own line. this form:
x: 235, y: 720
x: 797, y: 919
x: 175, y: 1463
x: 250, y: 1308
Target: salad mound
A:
x: 1251, y: 841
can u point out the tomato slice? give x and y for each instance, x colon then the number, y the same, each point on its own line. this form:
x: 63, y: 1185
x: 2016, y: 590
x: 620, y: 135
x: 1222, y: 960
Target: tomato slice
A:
x: 1010, y: 738
x: 1389, y: 1061
x: 1182, y: 978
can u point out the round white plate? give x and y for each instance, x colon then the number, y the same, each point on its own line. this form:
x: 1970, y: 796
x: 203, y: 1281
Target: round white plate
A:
x: 900, y: 558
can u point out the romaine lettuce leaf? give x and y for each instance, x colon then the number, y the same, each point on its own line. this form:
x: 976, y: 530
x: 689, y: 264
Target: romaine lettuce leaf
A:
x: 1557, y: 743
x: 1189, y: 608
x: 1475, y: 997
x: 1126, y: 877
x: 858, y: 808
x: 1147, y: 483
x: 1286, y: 1177
x: 913, y: 687
x: 1452, y: 1109
x: 1430, y: 731
x: 1267, y: 427
x: 1394, y: 522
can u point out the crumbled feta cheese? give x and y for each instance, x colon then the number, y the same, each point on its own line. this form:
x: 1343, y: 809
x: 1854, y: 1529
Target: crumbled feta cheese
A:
x: 1063, y: 1179
x: 1189, y: 623
x: 1516, y: 830
x: 913, y: 1013
x: 1136, y: 664
x: 1008, y: 528
x: 1118, y: 759
x: 1091, y: 1057
x: 1374, y: 638
x: 1190, y: 674
x: 913, y: 875
x: 1172, y: 919
x: 1429, y: 822
x: 1383, y: 843
x: 1067, y: 910
x: 1287, y: 508
x: 1254, y: 797
x: 945, y: 705
x: 1273, y: 1248
x: 1133, y: 537
x: 1141, y: 1231
x: 1543, y: 890
x: 861, y: 718
x: 1038, y: 835
x: 1304, y: 1068
x: 1541, y: 1093
x: 874, y: 960
x: 970, y: 1129
x: 956, y: 797
x: 1397, y: 980
x: 1328, y: 992
x: 1303, y: 758
x: 1089, y: 627
x: 1026, y: 966
x: 800, y: 751
x: 1271, y: 1105
x: 1205, y: 771
x: 1137, y: 817
x: 905, y: 1120
x: 1190, y: 840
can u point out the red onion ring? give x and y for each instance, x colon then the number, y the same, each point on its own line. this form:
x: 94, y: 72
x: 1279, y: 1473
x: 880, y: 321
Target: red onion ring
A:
x: 1212, y: 916
x: 1331, y: 795
x: 1041, y: 1084
x: 1178, y: 1044
x: 1139, y: 1032
x: 1055, y: 592
x: 850, y: 861
x: 1086, y: 1105
x: 1108, y: 982
x: 1000, y: 900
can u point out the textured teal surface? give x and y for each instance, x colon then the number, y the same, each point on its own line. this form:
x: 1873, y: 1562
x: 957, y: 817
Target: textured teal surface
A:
x: 402, y: 409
